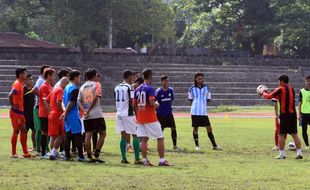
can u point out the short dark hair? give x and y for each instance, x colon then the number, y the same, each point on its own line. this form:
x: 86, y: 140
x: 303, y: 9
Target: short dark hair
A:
x: 283, y: 78
x: 163, y: 77
x: 139, y: 80
x: 199, y: 74
x: 147, y: 73
x: 126, y: 74
x: 43, y: 67
x: 47, y: 72
x: 63, y: 73
x: 73, y: 74
x: 308, y: 77
x: 29, y: 75
x: 135, y: 72
x: 19, y: 71
x: 90, y: 73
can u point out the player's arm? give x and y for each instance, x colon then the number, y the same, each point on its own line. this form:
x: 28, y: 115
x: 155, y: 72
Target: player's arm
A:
x: 80, y: 103
x: 11, y: 94
x: 299, y: 105
x: 71, y: 103
x: 208, y: 96
x: 153, y: 103
x: 275, y: 107
x: 273, y: 94
x: 46, y: 105
x: 190, y: 96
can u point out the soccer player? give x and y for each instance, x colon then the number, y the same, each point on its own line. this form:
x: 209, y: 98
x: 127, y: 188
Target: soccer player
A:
x: 64, y: 72
x: 288, y: 118
x: 73, y: 126
x: 200, y: 95
x: 44, y: 109
x: 89, y: 101
x: 17, y: 113
x: 28, y: 109
x: 36, y: 119
x: 164, y: 95
x: 56, y: 130
x: 304, y: 110
x: 148, y: 125
x: 125, y: 120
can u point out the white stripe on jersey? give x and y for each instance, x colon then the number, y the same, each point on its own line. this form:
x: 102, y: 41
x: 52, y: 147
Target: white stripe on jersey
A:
x: 123, y: 92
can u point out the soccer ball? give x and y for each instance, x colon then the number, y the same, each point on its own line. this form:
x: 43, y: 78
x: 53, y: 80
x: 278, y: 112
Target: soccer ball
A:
x: 261, y: 88
x: 291, y: 146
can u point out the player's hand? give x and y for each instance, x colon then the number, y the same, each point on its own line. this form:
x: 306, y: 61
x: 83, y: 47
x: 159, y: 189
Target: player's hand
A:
x: 156, y: 105
x: 62, y: 116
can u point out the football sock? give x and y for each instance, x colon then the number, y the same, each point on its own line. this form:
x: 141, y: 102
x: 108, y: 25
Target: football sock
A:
x: 174, y: 137
x: 67, y: 144
x: 211, y: 137
x: 54, y: 152
x: 305, y: 135
x: 78, y: 139
x: 38, y: 140
x: 299, y: 152
x: 23, y: 142
x: 95, y: 139
x: 123, y: 148
x: 161, y: 160
x: 282, y: 152
x: 136, y: 147
x: 195, y: 136
x: 43, y: 144
x: 14, y: 142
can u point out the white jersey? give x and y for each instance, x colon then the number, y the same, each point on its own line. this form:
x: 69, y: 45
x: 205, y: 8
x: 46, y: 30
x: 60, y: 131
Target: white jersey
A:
x: 124, y: 94
x: 199, y: 97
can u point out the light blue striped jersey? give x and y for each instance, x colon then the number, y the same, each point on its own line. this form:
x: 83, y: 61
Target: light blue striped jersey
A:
x: 199, y: 97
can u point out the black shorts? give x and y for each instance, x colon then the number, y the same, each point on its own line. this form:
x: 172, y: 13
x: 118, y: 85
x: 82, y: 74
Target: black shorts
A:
x: 305, y: 120
x: 200, y: 121
x: 44, y: 124
x: 29, y: 122
x: 96, y: 125
x: 166, y: 121
x: 288, y: 123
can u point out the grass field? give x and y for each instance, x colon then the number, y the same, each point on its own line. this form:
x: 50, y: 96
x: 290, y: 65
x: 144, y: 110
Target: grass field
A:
x: 245, y: 163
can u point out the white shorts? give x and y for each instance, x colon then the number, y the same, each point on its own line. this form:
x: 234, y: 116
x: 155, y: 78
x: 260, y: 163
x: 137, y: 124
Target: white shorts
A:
x: 151, y: 130
x: 127, y: 124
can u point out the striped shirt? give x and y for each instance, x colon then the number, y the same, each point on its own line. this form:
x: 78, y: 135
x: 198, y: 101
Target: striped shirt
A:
x: 199, y: 97
x: 286, y: 96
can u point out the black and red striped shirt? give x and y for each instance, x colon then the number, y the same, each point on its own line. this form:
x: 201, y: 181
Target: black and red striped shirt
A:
x: 286, y: 96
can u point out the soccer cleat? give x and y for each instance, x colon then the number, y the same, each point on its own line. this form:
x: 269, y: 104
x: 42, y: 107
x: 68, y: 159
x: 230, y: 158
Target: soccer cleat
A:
x: 165, y: 163
x: 197, y: 148
x: 138, y: 162
x: 125, y: 162
x: 217, y: 148
x: 176, y: 148
x: 298, y: 157
x: 15, y: 156
x: 83, y: 159
x: 280, y: 157
x: 147, y: 163
x: 45, y: 157
x: 27, y: 155
x: 275, y: 148
x: 98, y: 160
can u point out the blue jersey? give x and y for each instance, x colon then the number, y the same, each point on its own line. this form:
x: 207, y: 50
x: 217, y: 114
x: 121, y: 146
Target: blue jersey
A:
x: 164, y: 98
x: 72, y: 121
x: 199, y: 97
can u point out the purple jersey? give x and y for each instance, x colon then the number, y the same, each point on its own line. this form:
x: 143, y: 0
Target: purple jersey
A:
x: 164, y: 98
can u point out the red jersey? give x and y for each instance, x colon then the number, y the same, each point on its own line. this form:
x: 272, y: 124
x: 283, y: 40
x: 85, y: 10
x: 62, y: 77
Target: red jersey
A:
x: 54, y: 97
x: 286, y: 96
x: 18, y: 96
x: 146, y: 112
x: 44, y: 91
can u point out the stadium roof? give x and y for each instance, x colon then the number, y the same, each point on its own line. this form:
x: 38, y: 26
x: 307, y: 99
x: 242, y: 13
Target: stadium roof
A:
x: 12, y: 39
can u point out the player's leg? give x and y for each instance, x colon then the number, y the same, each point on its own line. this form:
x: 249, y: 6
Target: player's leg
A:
x: 68, y: 144
x: 37, y: 126
x: 123, y: 147
x: 95, y: 139
x: 210, y: 133
x: 78, y: 139
x: 304, y: 124
x: 100, y: 127
x: 88, y: 137
x: 131, y: 129
x: 44, y: 130
x: 128, y: 142
x: 276, y: 134
x: 174, y: 135
x: 144, y: 141
x: 195, y: 125
x: 136, y: 147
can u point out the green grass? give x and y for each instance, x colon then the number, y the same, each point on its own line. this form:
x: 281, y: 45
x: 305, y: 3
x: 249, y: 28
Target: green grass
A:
x: 245, y: 163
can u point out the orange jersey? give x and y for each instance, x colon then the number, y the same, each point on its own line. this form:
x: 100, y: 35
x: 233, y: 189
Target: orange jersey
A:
x: 143, y: 95
x: 44, y: 91
x: 54, y: 97
x: 18, y: 96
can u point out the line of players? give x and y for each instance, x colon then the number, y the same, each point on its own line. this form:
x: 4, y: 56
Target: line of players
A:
x: 54, y: 113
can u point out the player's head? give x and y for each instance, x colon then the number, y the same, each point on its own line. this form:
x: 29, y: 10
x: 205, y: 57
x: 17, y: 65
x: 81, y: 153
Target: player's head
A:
x: 308, y: 81
x: 199, y: 78
x: 75, y: 77
x: 147, y: 75
x: 64, y: 81
x: 164, y: 80
x: 64, y: 72
x: 29, y: 81
x: 92, y: 74
x: 138, y: 82
x: 127, y: 76
x: 49, y: 75
x: 43, y: 67
x: 283, y: 80
x: 21, y: 73
x: 135, y: 74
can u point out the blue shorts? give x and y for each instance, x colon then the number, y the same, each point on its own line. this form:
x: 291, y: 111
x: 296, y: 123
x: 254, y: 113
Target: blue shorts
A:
x: 73, y: 124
